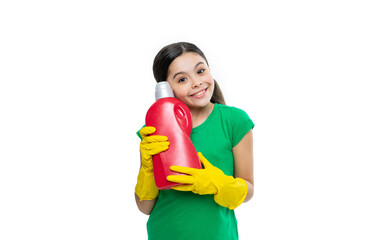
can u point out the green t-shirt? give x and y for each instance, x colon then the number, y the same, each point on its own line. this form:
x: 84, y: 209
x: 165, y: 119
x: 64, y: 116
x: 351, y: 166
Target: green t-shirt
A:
x: 185, y: 215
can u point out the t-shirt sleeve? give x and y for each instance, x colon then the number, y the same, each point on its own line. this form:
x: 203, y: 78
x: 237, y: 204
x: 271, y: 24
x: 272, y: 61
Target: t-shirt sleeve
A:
x: 138, y: 132
x: 241, y: 124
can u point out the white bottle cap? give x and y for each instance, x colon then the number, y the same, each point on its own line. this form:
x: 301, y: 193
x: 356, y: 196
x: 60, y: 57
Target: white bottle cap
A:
x: 163, y: 90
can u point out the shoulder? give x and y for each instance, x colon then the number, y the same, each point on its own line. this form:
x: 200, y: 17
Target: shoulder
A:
x: 232, y: 113
x: 237, y: 122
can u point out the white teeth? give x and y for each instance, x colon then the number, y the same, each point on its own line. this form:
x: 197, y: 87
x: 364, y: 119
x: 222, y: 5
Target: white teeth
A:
x: 199, y: 93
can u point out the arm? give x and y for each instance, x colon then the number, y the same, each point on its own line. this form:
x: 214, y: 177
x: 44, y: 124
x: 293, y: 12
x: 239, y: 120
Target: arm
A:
x: 145, y: 206
x: 243, y: 160
x: 146, y: 191
x: 229, y: 191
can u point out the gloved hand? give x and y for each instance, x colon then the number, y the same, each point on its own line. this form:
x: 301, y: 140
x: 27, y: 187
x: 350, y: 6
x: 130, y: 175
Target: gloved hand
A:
x: 149, y: 146
x: 228, y: 191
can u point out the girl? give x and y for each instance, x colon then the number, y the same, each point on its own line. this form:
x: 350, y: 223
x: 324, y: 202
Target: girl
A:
x: 203, y: 207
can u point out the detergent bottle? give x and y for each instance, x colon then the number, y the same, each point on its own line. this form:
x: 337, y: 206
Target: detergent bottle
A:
x: 171, y: 118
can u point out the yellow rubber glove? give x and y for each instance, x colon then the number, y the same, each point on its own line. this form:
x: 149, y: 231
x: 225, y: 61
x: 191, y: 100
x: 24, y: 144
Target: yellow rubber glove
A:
x: 149, y: 146
x: 228, y: 191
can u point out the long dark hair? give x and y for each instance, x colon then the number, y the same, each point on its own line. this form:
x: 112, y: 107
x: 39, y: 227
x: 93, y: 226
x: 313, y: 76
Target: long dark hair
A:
x: 167, y: 54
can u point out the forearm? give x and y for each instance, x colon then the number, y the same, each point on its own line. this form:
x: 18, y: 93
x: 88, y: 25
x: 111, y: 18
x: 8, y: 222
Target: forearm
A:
x: 250, y: 191
x: 145, y: 206
x: 146, y: 191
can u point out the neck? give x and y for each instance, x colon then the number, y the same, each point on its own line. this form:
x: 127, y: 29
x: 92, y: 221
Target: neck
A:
x: 199, y: 115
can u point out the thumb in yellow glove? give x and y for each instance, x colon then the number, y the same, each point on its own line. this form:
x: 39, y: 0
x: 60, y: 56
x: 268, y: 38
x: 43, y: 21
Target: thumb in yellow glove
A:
x: 228, y: 191
x: 149, y: 146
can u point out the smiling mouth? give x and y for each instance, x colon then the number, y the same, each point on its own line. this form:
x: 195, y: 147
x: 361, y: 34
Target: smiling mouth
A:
x: 200, y: 93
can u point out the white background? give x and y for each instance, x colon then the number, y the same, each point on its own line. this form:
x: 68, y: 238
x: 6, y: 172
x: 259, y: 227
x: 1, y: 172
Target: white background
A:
x: 76, y: 82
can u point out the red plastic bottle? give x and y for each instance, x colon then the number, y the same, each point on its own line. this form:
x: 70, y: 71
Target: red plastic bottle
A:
x: 171, y: 118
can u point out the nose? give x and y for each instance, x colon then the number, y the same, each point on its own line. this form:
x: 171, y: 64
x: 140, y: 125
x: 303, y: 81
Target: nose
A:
x: 196, y: 83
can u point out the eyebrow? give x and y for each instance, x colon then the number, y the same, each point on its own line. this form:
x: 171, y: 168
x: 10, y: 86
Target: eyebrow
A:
x: 199, y: 63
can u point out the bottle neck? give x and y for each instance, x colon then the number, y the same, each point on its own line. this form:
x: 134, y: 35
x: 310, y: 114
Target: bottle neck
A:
x: 163, y: 90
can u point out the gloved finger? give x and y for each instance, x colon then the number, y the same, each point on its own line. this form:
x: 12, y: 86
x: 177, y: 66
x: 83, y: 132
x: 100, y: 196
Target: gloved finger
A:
x: 181, y: 169
x: 147, y: 130
x: 154, y: 138
x: 204, y: 161
x: 184, y: 188
x: 152, y: 146
x: 156, y: 148
x: 181, y: 179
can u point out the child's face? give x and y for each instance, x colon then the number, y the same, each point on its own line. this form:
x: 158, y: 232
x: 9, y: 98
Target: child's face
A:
x: 190, y: 79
